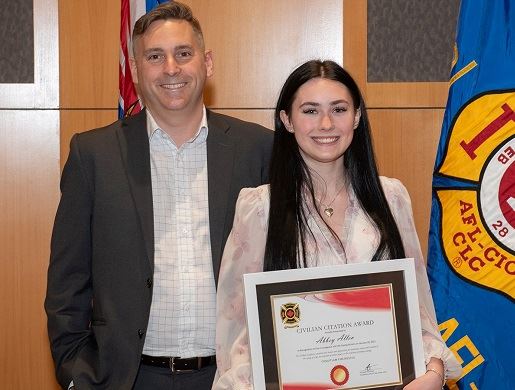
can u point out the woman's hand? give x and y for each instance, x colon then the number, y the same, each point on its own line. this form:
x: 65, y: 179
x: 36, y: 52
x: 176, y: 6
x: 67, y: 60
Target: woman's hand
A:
x: 433, y: 379
x: 429, y: 381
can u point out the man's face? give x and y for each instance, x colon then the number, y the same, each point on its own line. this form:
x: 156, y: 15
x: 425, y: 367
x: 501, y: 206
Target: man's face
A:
x: 170, y: 67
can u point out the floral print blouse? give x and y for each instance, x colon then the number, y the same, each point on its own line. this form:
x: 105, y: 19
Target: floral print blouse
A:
x: 244, y: 253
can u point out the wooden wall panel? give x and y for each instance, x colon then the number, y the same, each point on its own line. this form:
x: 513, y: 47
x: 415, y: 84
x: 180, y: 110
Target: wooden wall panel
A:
x: 263, y: 117
x: 29, y: 174
x: 89, y: 40
x: 77, y: 121
x: 405, y: 142
x: 257, y: 44
x: 29, y: 157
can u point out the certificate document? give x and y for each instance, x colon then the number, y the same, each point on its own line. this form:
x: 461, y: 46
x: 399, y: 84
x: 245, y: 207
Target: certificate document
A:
x: 339, y: 331
x: 345, y: 327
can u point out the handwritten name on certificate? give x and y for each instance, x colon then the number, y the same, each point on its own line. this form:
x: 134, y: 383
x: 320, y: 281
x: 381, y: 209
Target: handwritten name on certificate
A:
x: 345, y: 338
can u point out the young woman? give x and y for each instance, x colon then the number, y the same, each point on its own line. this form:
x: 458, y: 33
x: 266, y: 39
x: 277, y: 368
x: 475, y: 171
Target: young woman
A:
x: 325, y: 205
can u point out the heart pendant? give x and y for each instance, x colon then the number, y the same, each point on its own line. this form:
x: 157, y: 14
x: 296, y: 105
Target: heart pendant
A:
x: 329, y: 211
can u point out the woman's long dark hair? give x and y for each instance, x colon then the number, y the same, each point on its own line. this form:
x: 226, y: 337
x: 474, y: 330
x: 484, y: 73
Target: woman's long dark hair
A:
x: 290, y: 177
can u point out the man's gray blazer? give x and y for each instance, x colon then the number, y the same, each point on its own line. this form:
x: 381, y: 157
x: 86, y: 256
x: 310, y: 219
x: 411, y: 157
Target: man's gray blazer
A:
x: 102, y: 252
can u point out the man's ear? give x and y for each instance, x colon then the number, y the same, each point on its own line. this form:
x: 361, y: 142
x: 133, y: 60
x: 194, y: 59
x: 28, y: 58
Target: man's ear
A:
x: 286, y: 121
x: 134, y: 70
x: 208, y: 59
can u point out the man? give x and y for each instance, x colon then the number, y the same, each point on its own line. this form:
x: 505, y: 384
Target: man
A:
x: 147, y: 204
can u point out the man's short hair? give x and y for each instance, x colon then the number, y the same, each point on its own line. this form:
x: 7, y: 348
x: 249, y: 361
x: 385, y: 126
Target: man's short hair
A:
x: 170, y: 10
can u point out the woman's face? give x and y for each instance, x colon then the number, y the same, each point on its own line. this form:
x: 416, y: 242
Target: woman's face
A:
x: 323, y: 119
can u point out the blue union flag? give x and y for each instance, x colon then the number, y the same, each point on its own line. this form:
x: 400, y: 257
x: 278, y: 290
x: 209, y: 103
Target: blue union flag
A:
x: 471, y: 262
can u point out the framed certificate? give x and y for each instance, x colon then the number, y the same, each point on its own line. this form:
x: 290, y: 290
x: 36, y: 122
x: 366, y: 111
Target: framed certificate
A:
x: 354, y: 326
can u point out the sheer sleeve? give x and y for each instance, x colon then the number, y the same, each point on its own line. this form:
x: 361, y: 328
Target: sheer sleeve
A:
x: 434, y: 346
x: 243, y: 253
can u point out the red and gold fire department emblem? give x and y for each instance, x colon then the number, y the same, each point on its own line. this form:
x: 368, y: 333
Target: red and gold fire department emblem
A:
x: 290, y: 315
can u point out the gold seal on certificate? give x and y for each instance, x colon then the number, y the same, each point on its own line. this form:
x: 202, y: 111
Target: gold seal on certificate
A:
x: 345, y: 327
x: 339, y: 375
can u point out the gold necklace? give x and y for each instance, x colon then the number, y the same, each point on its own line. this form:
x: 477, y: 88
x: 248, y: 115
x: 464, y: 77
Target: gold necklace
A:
x: 328, y: 210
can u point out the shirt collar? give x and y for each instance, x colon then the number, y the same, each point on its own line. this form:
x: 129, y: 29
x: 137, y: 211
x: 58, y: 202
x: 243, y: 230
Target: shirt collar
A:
x: 200, y: 135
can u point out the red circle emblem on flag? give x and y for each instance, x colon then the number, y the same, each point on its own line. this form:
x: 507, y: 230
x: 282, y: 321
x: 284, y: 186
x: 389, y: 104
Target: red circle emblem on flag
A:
x: 497, y: 195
